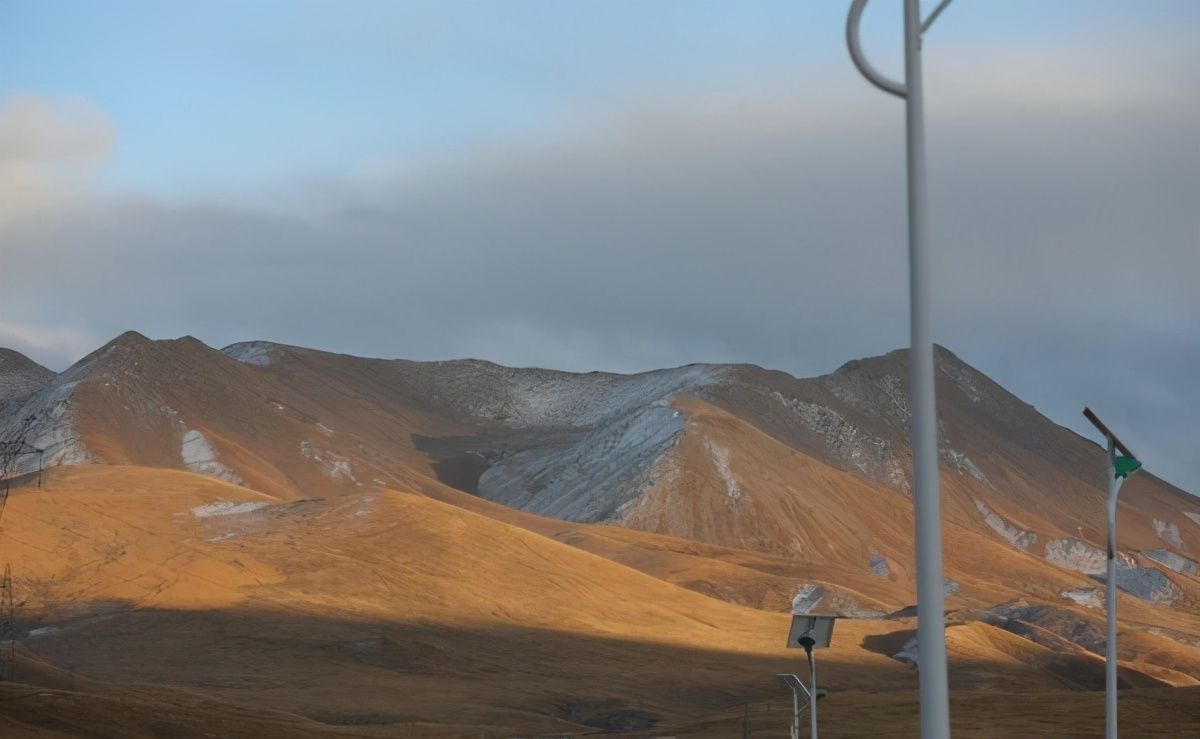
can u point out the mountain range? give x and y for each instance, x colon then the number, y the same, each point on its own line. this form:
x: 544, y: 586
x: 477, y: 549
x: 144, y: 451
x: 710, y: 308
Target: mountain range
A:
x: 361, y: 541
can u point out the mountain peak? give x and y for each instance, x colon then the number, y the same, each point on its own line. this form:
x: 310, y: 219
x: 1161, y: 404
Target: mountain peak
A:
x: 10, y: 358
x: 20, y: 375
x: 130, y: 338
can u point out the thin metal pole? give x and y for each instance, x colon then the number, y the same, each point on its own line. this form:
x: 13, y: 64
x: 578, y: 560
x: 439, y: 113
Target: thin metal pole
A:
x: 812, y: 696
x: 1110, y: 652
x: 931, y: 597
x: 795, y: 732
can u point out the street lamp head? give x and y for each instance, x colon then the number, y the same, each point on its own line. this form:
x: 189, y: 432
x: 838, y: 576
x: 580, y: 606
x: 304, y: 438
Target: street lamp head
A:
x: 1122, y: 465
x: 1125, y: 466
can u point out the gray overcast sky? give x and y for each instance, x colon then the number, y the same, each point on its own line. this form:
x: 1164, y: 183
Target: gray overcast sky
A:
x: 623, y: 186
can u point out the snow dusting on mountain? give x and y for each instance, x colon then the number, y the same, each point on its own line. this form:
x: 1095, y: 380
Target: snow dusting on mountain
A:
x: 545, y: 398
x: 201, y: 457
x: 962, y: 464
x: 871, y: 455
x: 257, y: 353
x: 807, y: 598
x: 1168, y: 532
x: 1077, y: 555
x: 44, y: 420
x: 1086, y: 597
x: 1015, y: 535
x: 225, y: 508
x: 20, y: 376
x: 593, y: 476
x: 720, y: 458
x: 332, y: 465
x: 1172, y: 561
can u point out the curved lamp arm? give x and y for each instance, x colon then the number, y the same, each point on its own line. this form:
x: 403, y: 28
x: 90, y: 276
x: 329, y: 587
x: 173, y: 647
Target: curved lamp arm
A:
x: 873, y: 76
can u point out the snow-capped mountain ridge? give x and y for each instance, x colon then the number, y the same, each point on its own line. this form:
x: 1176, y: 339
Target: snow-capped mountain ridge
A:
x: 728, y: 454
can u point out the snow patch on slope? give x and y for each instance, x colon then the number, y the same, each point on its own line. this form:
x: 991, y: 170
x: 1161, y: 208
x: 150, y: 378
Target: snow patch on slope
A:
x: 720, y: 458
x: 1077, y: 555
x: 962, y: 464
x: 544, y: 398
x: 879, y: 566
x: 1168, y: 532
x: 882, y: 394
x: 45, y: 420
x: 1086, y: 597
x: 201, y: 457
x: 870, y: 455
x: 807, y: 598
x: 225, y: 508
x: 1014, y: 535
x: 1173, y: 561
x: 257, y: 353
x: 1194, y: 516
x: 596, y: 475
x: 334, y: 466
x: 1146, y: 583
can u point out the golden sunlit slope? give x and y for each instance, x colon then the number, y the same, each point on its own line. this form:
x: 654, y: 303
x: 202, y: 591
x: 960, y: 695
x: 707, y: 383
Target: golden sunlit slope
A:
x: 106, y: 534
x: 1154, y: 638
x: 381, y: 604
x: 387, y: 608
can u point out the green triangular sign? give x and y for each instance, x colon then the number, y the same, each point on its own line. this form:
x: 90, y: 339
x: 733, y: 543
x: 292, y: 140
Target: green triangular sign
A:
x: 1126, y: 466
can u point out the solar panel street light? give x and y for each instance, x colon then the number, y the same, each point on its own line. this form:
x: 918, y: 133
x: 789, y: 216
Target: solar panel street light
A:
x: 797, y: 687
x: 931, y: 590
x: 792, y: 682
x: 808, y: 633
x: 1118, y: 468
x: 817, y: 628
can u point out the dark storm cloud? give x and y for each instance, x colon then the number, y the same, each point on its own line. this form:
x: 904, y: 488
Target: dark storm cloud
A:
x: 765, y: 227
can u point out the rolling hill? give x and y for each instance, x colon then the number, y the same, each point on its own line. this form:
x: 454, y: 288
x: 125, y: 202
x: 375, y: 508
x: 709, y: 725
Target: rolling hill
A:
x: 375, y: 543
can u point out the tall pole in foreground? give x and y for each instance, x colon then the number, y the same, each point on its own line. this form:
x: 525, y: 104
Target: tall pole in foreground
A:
x: 931, y: 596
x: 1110, y: 602
x: 1119, y: 467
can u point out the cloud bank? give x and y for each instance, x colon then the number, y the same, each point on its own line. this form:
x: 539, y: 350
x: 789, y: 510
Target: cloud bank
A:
x: 762, y: 225
x: 48, y: 147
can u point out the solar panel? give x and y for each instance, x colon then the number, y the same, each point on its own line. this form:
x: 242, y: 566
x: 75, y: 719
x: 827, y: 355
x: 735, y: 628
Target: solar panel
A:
x: 818, y: 628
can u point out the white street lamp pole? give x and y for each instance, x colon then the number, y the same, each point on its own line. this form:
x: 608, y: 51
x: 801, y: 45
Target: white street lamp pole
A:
x: 1118, y: 469
x: 931, y: 597
x: 1110, y: 647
